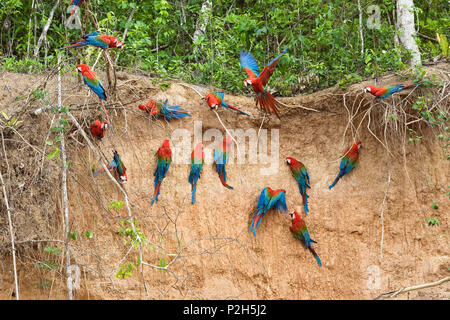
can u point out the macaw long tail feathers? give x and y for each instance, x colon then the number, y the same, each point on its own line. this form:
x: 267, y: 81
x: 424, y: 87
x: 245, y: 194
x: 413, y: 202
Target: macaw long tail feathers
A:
x: 107, y: 118
x: 334, y: 183
x: 315, y: 255
x: 237, y: 109
x: 155, y: 195
x: 193, y: 192
x: 413, y: 85
x: 305, y: 202
x: 78, y: 44
x: 267, y: 102
x: 177, y: 112
x: 255, y: 222
x: 223, y: 182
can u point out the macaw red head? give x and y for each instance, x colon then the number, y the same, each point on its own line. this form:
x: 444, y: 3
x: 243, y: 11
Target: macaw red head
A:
x: 290, y: 161
x: 294, y: 215
x: 247, y: 81
x: 368, y: 89
x: 358, y: 144
x: 116, y: 43
x: 227, y: 140
x: 148, y: 106
x: 207, y: 98
x: 104, y: 125
x: 166, y: 144
x: 83, y: 68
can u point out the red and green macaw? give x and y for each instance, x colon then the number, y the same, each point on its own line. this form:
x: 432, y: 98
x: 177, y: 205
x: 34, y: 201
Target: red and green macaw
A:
x: 384, y: 92
x: 98, y: 128
x: 300, y: 174
x: 221, y: 156
x: 91, y: 79
x: 163, y: 161
x: 300, y: 231
x: 97, y: 40
x: 265, y: 100
x: 197, y: 162
x: 118, y: 166
x: 348, y: 162
x: 268, y: 199
x: 215, y: 99
x: 157, y: 109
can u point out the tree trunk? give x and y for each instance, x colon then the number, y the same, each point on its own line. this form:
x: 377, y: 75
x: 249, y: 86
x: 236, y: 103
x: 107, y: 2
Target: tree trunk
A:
x: 203, y: 18
x: 405, y: 24
x: 44, y: 32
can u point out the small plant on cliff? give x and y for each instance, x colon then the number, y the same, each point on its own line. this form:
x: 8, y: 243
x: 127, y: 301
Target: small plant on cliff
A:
x: 432, y: 221
x: 126, y: 270
x: 126, y: 230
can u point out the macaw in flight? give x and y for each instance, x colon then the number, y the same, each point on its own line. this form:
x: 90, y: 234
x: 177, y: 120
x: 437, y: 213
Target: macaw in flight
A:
x: 264, y: 99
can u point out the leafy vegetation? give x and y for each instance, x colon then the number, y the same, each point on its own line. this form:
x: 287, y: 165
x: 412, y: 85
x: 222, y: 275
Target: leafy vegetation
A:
x: 322, y: 36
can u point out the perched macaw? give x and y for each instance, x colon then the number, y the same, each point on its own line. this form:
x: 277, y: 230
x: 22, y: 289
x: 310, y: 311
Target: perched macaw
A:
x: 269, y: 199
x: 91, y: 79
x: 300, y: 231
x: 97, y: 40
x: 74, y: 3
x: 384, y: 92
x: 221, y: 156
x: 197, y: 162
x: 348, y: 162
x: 163, y: 161
x: 215, y: 99
x: 300, y: 174
x: 119, y: 167
x: 98, y: 128
x: 162, y: 109
x: 265, y: 99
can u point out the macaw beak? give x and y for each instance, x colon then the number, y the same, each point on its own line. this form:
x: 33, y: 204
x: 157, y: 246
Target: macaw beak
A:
x: 245, y: 83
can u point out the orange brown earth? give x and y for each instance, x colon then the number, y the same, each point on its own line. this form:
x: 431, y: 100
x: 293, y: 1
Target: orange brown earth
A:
x: 208, y: 248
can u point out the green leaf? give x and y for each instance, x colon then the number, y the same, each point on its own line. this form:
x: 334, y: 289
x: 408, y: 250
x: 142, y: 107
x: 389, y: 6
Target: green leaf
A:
x: 88, y: 234
x: 54, y: 154
x: 72, y: 235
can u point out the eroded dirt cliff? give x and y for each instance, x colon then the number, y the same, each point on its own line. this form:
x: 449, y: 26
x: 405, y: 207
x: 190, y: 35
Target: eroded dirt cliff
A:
x: 370, y: 228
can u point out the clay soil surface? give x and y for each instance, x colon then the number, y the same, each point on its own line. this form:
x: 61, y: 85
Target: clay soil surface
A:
x: 370, y: 228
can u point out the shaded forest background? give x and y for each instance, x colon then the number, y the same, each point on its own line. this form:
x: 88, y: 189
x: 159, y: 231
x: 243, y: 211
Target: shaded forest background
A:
x: 330, y: 42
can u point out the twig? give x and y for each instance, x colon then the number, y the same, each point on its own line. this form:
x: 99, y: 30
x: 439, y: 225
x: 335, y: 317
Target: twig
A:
x: 12, y: 235
x: 218, y: 117
x: 393, y: 294
x: 299, y: 106
x: 64, y: 187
